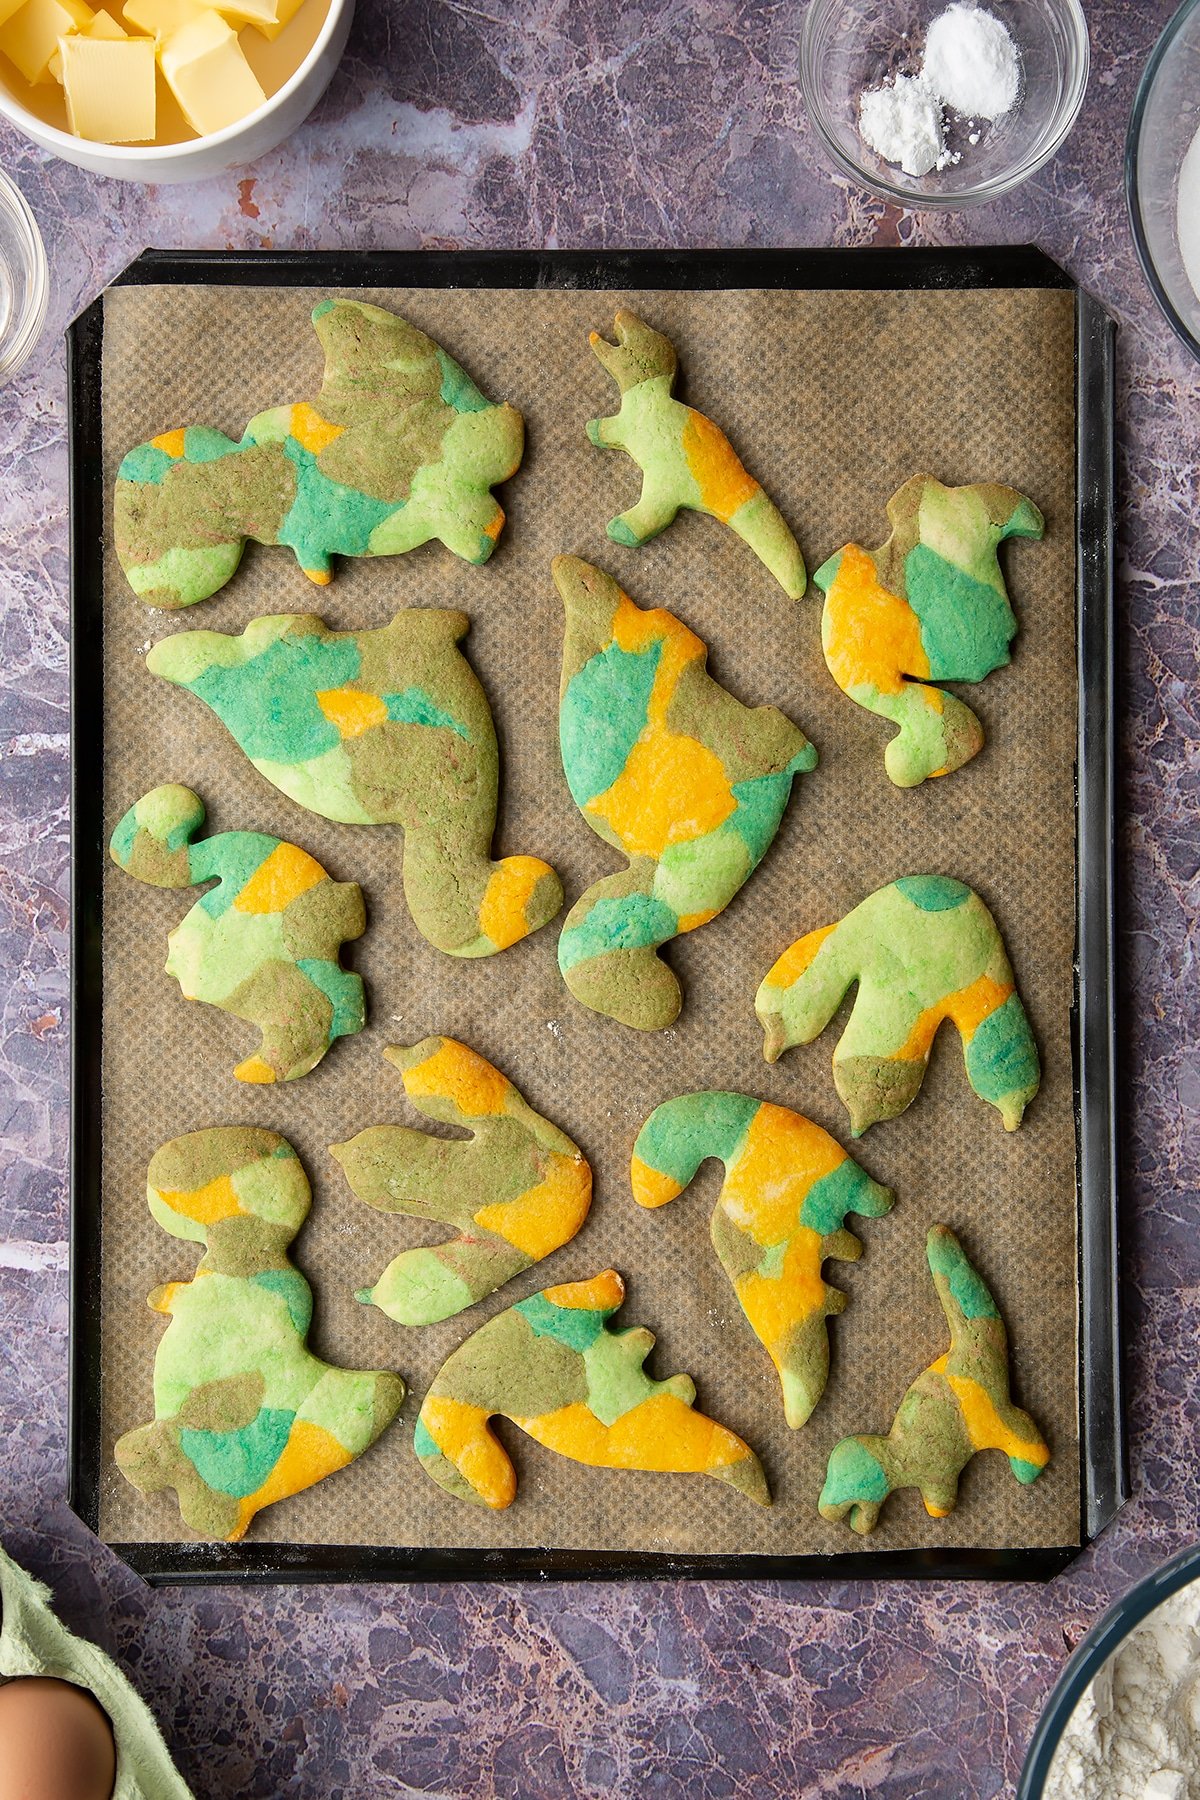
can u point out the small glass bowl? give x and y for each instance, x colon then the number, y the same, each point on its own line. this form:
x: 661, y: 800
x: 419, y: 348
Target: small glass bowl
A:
x: 24, y: 280
x: 1165, y: 119
x: 849, y: 45
x: 1102, y: 1641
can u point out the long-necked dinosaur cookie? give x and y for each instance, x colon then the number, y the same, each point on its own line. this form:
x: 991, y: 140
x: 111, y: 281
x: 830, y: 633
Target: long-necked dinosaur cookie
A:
x: 399, y: 447
x: 263, y: 944
x: 929, y: 606
x: 666, y: 766
x: 552, y: 1366
x: 518, y: 1190
x: 244, y: 1413
x: 386, y: 727
x: 958, y: 1406
x: 922, y: 949
x: 686, y: 460
x: 782, y: 1210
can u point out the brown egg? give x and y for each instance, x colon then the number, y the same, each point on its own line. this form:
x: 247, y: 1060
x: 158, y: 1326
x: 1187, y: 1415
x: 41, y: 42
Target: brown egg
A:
x: 55, y: 1743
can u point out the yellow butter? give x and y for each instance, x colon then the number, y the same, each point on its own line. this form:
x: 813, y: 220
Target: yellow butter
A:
x: 206, y: 70
x: 7, y: 9
x: 267, y: 16
x: 102, y: 26
x: 162, y: 18
x: 109, y: 87
x: 30, y: 37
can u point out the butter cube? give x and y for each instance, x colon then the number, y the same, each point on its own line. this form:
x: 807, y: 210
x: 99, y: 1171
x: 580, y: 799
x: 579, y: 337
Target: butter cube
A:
x: 109, y: 84
x: 102, y: 26
x: 267, y: 16
x: 30, y: 37
x: 162, y: 18
x: 8, y: 8
x: 207, y: 71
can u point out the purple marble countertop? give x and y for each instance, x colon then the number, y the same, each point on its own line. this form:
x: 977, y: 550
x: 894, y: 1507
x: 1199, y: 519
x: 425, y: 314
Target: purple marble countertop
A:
x: 551, y: 122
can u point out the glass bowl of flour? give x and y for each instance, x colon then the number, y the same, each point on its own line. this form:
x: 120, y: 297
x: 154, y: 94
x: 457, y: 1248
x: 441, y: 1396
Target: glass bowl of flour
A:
x: 943, y: 103
x: 1162, y: 173
x: 1124, y: 1721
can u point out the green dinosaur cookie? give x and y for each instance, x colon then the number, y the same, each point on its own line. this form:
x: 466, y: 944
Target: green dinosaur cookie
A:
x: 552, y: 1366
x: 667, y: 767
x: 931, y: 605
x: 386, y: 727
x: 263, y: 944
x: 244, y: 1413
x: 781, y: 1212
x: 922, y: 950
x: 686, y: 460
x: 518, y: 1190
x: 400, y: 447
x: 958, y: 1406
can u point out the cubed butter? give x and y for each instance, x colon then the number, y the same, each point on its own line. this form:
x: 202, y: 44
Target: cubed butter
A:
x: 30, y: 37
x: 109, y: 85
x: 102, y: 26
x: 162, y: 18
x: 206, y: 70
x: 7, y: 9
x: 267, y: 16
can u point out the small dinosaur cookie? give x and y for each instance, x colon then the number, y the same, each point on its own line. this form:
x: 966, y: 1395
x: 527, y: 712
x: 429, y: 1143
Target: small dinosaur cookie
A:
x: 244, y: 1413
x: 922, y: 949
x: 958, y: 1406
x: 782, y: 1210
x: 930, y: 605
x: 667, y: 767
x: 518, y: 1190
x: 385, y: 727
x: 552, y: 1366
x: 263, y: 944
x: 400, y: 447
x: 686, y: 460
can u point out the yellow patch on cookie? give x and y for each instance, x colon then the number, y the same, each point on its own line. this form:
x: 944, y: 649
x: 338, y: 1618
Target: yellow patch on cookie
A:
x: 309, y: 1455
x: 461, y: 1434
x: 286, y: 874
x: 215, y: 1200
x: 171, y: 443
x: 539, y: 1220
x: 509, y: 890
x: 603, y: 1293
x: 724, y: 484
x: 792, y: 964
x: 352, y: 712
x: 870, y: 635
x: 672, y: 790
x: 311, y: 430
x: 460, y: 1074
x: 781, y: 1156
x: 650, y: 1186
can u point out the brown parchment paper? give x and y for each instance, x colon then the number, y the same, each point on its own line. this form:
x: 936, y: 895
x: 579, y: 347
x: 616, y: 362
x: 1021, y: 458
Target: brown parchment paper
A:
x: 833, y: 399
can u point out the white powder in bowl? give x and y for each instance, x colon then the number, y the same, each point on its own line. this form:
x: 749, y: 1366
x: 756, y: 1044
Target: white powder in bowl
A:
x: 902, y: 121
x: 1135, y: 1734
x: 971, y: 62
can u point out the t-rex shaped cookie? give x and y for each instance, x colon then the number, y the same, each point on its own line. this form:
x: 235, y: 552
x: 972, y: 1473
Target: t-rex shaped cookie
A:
x: 552, y: 1366
x: 518, y: 1190
x: 685, y: 459
x: 386, y: 727
x: 922, y: 950
x: 669, y: 768
x: 244, y: 1413
x: 400, y: 447
x: 958, y: 1406
x: 781, y: 1211
x: 931, y: 605
x: 263, y: 944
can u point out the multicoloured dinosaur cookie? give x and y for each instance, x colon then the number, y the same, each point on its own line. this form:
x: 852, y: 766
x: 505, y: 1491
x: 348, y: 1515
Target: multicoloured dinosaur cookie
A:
x: 244, y: 1413
x: 386, y: 727
x: 929, y: 606
x: 922, y: 949
x: 781, y: 1212
x: 958, y: 1406
x: 263, y: 944
x: 666, y: 766
x: 686, y: 460
x: 552, y: 1366
x: 399, y: 447
x: 518, y: 1190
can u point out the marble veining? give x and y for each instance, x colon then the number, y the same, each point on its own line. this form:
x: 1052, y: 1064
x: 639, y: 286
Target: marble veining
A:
x: 551, y: 122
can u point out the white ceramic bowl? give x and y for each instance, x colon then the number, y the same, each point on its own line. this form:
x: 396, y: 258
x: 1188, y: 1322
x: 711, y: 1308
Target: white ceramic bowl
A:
x: 192, y: 160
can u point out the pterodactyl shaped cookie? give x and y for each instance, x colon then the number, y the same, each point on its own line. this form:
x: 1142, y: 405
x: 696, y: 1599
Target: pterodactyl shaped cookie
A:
x: 929, y: 606
x: 263, y: 944
x: 782, y: 1210
x: 552, y: 1366
x: 385, y: 727
x: 667, y: 767
x: 923, y: 949
x: 686, y: 460
x: 516, y: 1191
x: 244, y: 1413
x: 399, y: 447
x: 957, y: 1407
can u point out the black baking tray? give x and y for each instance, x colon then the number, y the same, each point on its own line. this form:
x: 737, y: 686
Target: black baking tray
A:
x: 1103, y: 1476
